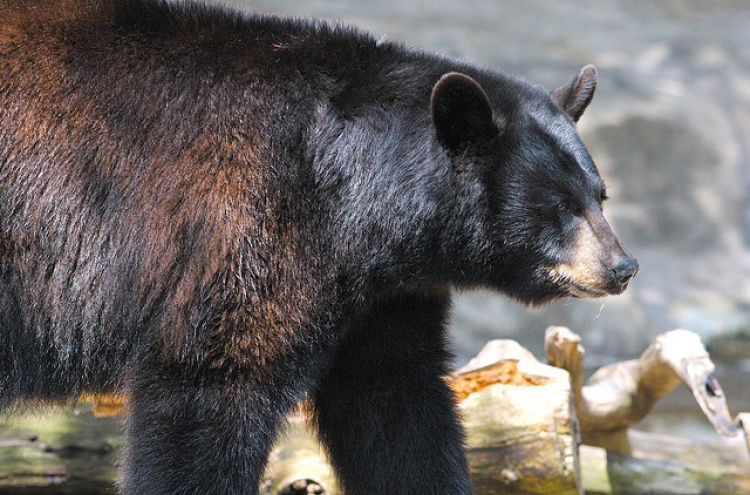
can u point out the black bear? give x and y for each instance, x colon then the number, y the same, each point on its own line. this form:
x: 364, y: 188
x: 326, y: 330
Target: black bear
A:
x: 223, y: 214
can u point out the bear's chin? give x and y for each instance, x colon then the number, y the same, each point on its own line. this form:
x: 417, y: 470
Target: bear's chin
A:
x: 581, y: 291
x: 546, y: 293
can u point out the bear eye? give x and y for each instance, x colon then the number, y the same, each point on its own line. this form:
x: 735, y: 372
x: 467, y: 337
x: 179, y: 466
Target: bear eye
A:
x: 562, y: 207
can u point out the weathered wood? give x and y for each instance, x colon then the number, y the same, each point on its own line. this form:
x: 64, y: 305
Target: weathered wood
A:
x: 667, y: 465
x: 521, y: 429
x: 623, y: 393
x: 66, y: 451
x: 617, y: 396
x: 517, y: 412
x: 297, y: 466
x: 521, y: 433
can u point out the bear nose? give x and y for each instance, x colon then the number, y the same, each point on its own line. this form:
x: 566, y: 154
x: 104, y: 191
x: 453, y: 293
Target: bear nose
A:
x: 625, y: 270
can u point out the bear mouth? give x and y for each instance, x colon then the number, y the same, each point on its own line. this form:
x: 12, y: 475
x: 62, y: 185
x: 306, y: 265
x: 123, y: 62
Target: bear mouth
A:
x: 612, y: 288
x: 583, y: 287
x: 582, y: 292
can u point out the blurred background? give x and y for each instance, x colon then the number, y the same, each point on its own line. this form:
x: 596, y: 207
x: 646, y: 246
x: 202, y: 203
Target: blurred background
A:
x: 669, y: 128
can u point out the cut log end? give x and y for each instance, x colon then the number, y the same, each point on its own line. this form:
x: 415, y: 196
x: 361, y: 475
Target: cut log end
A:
x: 503, y: 372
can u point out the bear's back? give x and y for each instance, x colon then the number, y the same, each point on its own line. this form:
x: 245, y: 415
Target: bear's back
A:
x: 214, y: 37
x: 152, y: 158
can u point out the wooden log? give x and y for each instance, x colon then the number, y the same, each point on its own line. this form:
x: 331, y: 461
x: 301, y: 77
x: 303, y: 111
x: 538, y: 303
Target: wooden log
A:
x: 65, y: 451
x: 668, y: 465
x: 521, y: 430
x: 297, y: 466
x: 621, y: 394
x: 522, y: 439
x: 518, y: 416
x: 517, y: 413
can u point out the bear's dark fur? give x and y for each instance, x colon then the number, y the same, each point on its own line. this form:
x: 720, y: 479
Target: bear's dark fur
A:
x: 223, y: 214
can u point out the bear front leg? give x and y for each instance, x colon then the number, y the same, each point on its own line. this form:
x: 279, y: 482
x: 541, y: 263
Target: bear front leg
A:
x: 385, y: 412
x: 202, y: 434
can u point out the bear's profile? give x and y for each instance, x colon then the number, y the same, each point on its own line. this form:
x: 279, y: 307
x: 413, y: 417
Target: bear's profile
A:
x: 223, y: 214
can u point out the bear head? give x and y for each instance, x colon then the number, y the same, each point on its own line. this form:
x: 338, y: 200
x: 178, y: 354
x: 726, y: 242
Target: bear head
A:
x: 537, y: 208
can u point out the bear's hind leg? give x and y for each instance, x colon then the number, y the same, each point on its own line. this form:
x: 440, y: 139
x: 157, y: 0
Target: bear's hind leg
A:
x: 385, y: 412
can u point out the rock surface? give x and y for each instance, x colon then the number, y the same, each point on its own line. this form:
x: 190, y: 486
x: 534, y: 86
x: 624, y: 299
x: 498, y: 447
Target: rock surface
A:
x: 670, y: 131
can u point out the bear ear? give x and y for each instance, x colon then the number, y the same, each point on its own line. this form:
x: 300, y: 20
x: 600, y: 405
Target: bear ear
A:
x: 461, y: 111
x: 576, y: 96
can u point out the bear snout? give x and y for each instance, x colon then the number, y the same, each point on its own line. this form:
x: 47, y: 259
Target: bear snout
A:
x: 599, y: 266
x: 622, y: 273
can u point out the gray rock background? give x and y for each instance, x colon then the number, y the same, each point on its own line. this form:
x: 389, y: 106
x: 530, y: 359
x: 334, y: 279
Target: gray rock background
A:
x: 669, y: 128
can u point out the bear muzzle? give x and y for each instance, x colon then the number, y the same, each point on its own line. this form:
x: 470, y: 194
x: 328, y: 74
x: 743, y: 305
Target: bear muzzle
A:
x: 598, y: 266
x: 591, y: 280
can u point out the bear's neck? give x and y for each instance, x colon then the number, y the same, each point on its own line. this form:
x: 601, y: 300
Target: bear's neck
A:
x: 387, y: 187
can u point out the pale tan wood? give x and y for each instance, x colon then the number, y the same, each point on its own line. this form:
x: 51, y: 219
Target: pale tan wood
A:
x: 521, y: 429
x: 620, y: 460
x: 298, y: 464
x: 621, y: 394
